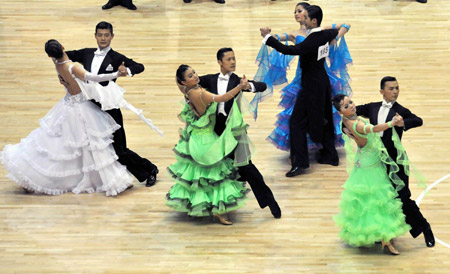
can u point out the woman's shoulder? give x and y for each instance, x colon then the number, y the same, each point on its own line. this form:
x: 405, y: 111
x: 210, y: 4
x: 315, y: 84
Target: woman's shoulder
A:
x: 298, y: 35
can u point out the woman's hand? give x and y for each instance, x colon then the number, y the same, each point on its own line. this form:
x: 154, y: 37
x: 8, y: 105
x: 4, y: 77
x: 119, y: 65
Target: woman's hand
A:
x: 397, y: 121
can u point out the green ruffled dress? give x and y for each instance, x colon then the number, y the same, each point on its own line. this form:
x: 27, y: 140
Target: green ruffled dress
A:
x: 370, y: 209
x: 205, y: 179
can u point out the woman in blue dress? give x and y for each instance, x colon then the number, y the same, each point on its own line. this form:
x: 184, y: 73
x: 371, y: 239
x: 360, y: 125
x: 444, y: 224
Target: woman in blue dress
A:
x: 272, y: 71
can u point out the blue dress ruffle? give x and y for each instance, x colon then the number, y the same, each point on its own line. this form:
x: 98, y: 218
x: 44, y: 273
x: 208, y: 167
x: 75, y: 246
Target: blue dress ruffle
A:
x: 272, y: 71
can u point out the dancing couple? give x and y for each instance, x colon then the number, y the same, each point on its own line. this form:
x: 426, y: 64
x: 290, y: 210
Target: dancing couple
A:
x: 213, y: 154
x: 307, y: 99
x: 78, y: 147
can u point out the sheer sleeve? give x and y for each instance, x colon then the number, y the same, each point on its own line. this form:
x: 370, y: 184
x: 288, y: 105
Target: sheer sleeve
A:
x: 100, y: 77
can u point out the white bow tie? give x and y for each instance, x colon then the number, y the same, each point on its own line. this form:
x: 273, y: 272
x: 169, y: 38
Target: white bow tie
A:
x: 224, y: 78
x: 99, y: 53
x: 386, y: 105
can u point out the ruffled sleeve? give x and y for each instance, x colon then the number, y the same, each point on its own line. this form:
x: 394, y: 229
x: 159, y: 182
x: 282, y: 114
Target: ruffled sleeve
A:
x: 112, y: 97
x: 272, y: 67
x: 337, y: 68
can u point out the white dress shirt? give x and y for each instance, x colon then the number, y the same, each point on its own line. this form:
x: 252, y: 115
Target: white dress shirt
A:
x: 383, y: 113
x: 99, y: 56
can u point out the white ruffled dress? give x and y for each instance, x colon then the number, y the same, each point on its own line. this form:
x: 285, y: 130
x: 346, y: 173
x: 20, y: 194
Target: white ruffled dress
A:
x: 70, y: 151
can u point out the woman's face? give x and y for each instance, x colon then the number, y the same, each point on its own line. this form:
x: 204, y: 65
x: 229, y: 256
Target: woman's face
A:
x: 299, y: 14
x: 348, y: 107
x: 190, y: 78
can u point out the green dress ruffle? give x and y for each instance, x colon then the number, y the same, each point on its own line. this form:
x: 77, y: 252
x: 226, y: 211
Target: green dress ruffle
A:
x: 370, y: 209
x: 205, y: 179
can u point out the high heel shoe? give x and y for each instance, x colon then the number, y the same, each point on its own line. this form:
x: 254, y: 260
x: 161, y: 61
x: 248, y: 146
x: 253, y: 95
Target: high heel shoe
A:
x: 390, y: 247
x: 222, y: 219
x: 27, y: 191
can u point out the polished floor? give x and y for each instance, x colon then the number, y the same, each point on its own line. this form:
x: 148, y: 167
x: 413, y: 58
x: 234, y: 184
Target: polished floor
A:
x: 135, y: 232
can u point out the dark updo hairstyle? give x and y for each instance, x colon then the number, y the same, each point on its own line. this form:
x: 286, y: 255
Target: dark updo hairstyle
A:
x: 303, y: 4
x: 180, y: 73
x: 337, y: 101
x: 54, y: 49
x: 315, y: 12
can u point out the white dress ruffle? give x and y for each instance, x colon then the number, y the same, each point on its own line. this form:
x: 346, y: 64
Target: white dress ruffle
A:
x: 70, y: 151
x: 111, y: 97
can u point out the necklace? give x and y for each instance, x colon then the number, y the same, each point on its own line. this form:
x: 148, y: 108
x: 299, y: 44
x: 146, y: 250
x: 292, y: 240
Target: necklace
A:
x: 63, y: 62
x: 189, y: 91
x: 353, y: 117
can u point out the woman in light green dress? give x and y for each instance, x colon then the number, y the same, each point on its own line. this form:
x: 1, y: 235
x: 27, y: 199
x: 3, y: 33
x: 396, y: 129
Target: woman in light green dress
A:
x: 370, y: 209
x: 205, y: 179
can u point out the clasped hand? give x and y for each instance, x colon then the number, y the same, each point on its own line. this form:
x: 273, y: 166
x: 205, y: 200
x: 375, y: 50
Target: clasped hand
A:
x: 123, y: 70
x: 398, y: 120
x: 244, y: 83
x: 264, y: 31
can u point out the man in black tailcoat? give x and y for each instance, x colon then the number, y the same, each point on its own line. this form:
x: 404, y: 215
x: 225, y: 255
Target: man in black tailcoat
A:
x: 105, y: 60
x: 312, y: 112
x: 380, y: 112
x: 220, y: 83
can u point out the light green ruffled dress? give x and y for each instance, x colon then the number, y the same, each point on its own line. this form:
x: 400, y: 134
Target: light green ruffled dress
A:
x: 370, y: 209
x: 205, y: 179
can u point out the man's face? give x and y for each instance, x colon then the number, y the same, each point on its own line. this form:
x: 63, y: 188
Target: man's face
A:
x: 391, y: 91
x: 228, y: 62
x: 310, y: 24
x: 103, y: 37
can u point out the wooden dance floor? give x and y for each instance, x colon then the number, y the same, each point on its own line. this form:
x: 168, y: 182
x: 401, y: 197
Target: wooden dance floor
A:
x: 136, y: 232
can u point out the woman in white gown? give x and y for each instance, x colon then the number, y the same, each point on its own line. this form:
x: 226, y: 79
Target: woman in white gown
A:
x: 72, y: 149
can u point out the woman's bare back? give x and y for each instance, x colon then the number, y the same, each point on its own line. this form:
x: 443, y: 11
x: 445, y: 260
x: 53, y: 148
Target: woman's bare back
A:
x: 70, y: 83
x: 197, y: 103
x: 360, y: 141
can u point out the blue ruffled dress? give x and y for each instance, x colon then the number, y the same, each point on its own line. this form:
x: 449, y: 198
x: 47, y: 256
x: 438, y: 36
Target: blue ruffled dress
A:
x: 272, y: 71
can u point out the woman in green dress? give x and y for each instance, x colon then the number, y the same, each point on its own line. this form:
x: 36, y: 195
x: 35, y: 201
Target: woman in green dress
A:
x: 205, y: 179
x: 370, y: 211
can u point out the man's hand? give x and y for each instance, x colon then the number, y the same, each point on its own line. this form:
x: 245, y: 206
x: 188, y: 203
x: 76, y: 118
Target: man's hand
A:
x: 62, y: 82
x: 398, y: 120
x: 348, y: 133
x: 265, y: 31
x: 333, y: 42
x: 123, y: 70
x: 244, y: 83
x: 181, y: 87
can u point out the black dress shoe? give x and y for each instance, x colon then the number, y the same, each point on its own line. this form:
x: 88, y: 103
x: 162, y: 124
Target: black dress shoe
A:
x: 296, y: 170
x: 429, y: 237
x: 187, y: 1
x: 422, y: 1
x: 321, y: 159
x: 151, y: 180
x: 328, y: 162
x: 128, y: 4
x: 275, y: 210
x: 220, y: 1
x: 131, y: 7
x: 110, y: 4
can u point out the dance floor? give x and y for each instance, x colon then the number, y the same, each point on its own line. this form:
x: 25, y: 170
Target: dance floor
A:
x: 136, y: 232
